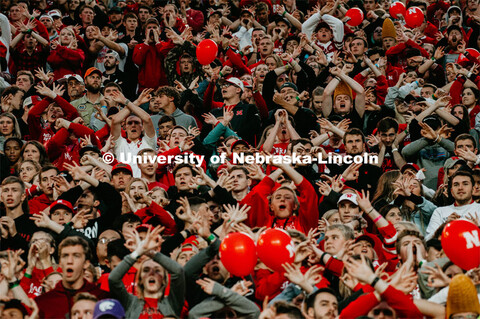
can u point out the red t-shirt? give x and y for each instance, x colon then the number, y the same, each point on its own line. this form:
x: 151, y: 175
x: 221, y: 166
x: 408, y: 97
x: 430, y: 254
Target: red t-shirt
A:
x: 150, y: 309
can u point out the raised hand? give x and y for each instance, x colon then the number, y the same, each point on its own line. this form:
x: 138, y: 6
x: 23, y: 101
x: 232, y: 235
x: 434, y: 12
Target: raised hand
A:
x: 359, y: 269
x: 436, y: 277
x: 293, y: 274
x: 242, y: 287
x: 209, y: 118
x: 152, y: 242
x: 364, y: 201
x: 206, y: 284
x: 184, y: 212
x: 45, y: 90
x: 351, y: 173
x: 236, y: 214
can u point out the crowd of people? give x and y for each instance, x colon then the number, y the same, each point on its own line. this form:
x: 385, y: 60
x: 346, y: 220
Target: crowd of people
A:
x: 89, y: 87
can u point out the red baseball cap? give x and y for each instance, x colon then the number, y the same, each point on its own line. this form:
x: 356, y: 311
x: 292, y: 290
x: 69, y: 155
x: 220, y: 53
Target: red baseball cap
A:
x: 62, y: 203
x: 413, y: 166
x: 238, y: 142
x: 122, y: 166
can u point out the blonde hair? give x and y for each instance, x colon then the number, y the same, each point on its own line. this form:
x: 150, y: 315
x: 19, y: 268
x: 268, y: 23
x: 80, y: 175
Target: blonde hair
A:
x: 139, y: 284
x: 385, y: 186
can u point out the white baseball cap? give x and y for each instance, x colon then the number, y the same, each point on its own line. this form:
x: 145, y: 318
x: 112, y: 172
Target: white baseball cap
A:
x: 75, y: 76
x: 236, y: 81
x: 350, y: 197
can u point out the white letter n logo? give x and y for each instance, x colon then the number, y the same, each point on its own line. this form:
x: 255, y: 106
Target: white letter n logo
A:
x: 472, y: 239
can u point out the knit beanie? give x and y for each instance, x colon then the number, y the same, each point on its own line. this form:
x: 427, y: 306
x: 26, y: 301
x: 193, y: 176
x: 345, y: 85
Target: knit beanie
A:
x: 388, y: 29
x: 462, y: 296
x: 343, y: 89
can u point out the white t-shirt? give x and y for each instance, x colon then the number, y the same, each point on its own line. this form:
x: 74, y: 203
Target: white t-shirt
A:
x: 441, y: 214
x: 125, y: 151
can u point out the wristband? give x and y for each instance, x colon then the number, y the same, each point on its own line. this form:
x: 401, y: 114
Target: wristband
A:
x: 188, y: 233
x: 27, y: 275
x: 338, y: 78
x: 180, y: 148
x: 421, y: 263
x: 134, y: 255
x: 211, y: 238
x: 220, y: 73
x: 433, y: 58
x: 298, y: 99
x: 394, y: 150
x: 342, y: 179
x: 284, y: 13
x: 371, y: 210
x: 127, y: 101
x: 14, y: 284
x: 321, y: 257
x: 374, y: 282
x: 469, y: 74
x: 376, y: 219
x: 291, y: 60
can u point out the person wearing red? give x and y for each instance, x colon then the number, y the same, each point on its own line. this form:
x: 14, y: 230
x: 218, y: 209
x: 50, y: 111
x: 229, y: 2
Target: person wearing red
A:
x: 65, y: 57
x: 195, y: 18
x: 40, y: 124
x: 46, y: 181
x: 149, y: 57
x: 180, y: 144
x: 64, y: 147
x: 398, y: 300
x: 74, y: 258
x: 29, y: 50
x: 39, y: 263
x: 284, y: 203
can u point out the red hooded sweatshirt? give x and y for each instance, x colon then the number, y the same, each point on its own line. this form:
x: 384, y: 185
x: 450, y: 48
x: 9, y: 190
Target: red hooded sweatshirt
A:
x: 44, y: 132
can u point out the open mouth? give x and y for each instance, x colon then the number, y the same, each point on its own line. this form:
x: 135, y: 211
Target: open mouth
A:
x: 152, y: 281
x: 282, y: 207
x: 215, y: 269
x: 342, y: 106
x: 69, y: 272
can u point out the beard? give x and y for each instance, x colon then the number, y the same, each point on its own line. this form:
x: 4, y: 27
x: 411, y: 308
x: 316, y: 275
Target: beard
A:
x: 91, y: 88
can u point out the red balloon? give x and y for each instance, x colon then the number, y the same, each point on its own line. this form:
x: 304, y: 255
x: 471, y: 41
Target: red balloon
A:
x: 414, y: 17
x: 461, y: 243
x: 238, y: 255
x: 355, y: 15
x: 397, y: 8
x: 275, y: 248
x: 206, y: 51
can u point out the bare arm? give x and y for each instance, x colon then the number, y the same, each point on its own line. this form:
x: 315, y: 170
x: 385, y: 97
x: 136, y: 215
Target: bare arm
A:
x: 117, y: 121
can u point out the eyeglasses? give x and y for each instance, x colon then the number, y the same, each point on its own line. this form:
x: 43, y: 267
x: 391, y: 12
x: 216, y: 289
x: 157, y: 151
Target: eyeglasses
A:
x: 385, y: 311
x: 226, y: 85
